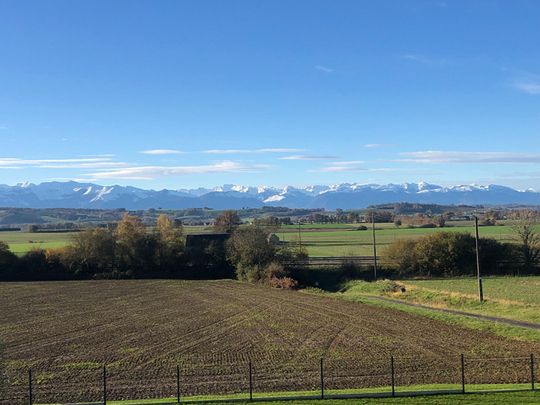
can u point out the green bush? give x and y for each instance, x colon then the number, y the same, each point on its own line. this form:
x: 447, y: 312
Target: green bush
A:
x: 446, y: 254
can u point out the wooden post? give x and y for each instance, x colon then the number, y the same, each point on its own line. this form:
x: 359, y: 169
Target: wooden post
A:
x: 250, y: 383
x: 322, y: 379
x: 462, y: 373
x: 30, y: 394
x: 104, y: 385
x: 393, y: 376
x: 478, y: 276
x: 532, y: 372
x: 178, y: 384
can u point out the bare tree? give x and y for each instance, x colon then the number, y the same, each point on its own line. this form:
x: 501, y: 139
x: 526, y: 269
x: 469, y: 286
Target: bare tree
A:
x: 227, y: 221
x: 525, y: 229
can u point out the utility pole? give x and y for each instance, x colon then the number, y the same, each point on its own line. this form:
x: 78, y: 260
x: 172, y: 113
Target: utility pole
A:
x: 478, y: 276
x: 374, y: 246
x: 299, y: 235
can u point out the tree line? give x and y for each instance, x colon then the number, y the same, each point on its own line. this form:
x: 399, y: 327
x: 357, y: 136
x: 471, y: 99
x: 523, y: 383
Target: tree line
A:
x: 450, y: 254
x: 131, y: 250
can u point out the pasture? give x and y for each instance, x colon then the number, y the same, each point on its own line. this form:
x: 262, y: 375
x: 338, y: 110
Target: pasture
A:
x: 22, y: 242
x: 347, y: 240
x: 320, y: 240
x: 66, y: 331
x: 509, y: 297
x: 514, y: 298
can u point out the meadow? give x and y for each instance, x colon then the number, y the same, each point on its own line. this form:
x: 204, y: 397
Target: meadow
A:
x: 22, y: 242
x: 508, y: 297
x: 347, y: 240
x: 320, y: 240
x: 514, y: 298
x: 142, y: 329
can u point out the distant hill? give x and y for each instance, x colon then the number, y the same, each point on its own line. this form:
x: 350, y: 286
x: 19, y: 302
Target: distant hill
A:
x: 345, y: 196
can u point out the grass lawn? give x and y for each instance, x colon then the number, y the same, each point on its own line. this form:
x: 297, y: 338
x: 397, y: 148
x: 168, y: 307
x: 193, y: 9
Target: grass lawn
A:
x: 521, y: 398
x: 322, y: 240
x: 22, y: 242
x: 347, y: 240
x: 507, y: 297
x: 475, y: 394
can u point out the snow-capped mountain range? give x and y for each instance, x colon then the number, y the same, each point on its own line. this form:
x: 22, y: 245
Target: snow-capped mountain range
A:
x: 345, y: 196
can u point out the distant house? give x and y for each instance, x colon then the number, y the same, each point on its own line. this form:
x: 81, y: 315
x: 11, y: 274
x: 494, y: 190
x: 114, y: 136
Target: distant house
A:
x: 202, y: 240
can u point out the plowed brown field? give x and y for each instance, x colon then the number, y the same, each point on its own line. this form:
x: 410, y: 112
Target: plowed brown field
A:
x: 65, y: 332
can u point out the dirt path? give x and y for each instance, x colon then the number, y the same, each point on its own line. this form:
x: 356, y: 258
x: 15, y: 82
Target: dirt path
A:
x: 512, y: 322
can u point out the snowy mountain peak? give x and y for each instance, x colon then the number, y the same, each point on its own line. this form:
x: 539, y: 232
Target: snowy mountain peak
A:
x: 230, y: 196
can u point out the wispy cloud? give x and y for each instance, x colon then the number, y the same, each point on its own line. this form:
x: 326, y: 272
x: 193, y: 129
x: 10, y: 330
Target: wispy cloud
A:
x: 72, y: 163
x: 260, y: 150
x: 342, y: 166
x: 152, y: 172
x: 308, y: 157
x: 378, y: 145
x: 469, y: 157
x: 324, y: 69
x: 424, y: 59
x: 334, y: 169
x: 347, y: 162
x: 161, y: 152
x: 528, y: 86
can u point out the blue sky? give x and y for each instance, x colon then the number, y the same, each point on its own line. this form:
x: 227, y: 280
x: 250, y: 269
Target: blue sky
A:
x: 182, y: 94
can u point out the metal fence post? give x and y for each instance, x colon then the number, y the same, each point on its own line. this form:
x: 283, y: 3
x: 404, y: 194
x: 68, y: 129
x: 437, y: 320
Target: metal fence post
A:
x: 462, y: 373
x: 178, y: 384
x: 250, y: 383
x: 393, y: 376
x: 532, y: 372
x: 30, y: 396
x: 104, y: 385
x: 322, y: 379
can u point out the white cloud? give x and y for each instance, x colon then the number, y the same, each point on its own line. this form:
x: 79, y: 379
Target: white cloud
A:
x: 161, y: 152
x: 347, y: 168
x: 152, y: 172
x: 425, y: 60
x: 324, y: 69
x: 347, y: 163
x: 72, y: 163
x: 261, y: 150
x: 307, y: 157
x: 529, y: 86
x: 279, y: 150
x: 343, y: 166
x: 378, y: 145
x: 469, y: 157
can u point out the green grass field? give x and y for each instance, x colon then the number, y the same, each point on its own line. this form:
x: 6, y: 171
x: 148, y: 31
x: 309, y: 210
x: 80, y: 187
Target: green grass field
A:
x: 508, y: 297
x: 22, y: 242
x: 521, y: 398
x: 514, y: 298
x: 474, y: 395
x: 346, y: 240
x: 322, y: 240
